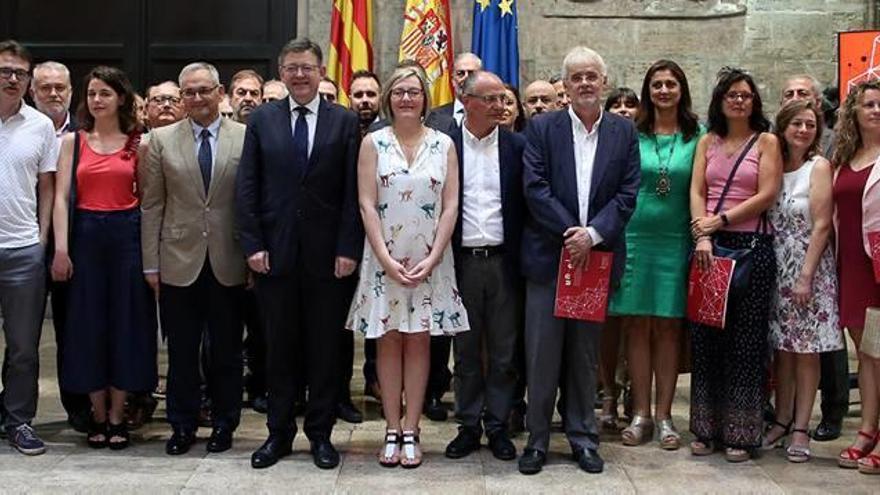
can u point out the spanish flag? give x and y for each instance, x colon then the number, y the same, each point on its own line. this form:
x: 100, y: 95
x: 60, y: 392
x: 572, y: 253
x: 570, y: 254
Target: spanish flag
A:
x: 351, y: 48
x: 427, y: 39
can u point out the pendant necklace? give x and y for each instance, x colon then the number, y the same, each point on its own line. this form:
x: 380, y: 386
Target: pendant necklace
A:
x: 664, y: 182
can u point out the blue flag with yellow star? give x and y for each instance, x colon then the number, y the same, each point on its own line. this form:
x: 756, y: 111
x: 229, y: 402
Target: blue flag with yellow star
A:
x: 495, y: 38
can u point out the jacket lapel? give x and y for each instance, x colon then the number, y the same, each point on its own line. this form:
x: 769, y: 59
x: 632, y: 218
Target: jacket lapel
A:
x: 505, y: 157
x: 607, y: 129
x: 321, y: 134
x: 564, y: 143
x: 186, y: 143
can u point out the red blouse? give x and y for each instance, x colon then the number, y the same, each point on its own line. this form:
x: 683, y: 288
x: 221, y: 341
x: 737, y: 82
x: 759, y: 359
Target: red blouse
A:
x: 106, y: 182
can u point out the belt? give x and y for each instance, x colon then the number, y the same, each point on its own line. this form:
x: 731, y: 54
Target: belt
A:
x: 483, y: 251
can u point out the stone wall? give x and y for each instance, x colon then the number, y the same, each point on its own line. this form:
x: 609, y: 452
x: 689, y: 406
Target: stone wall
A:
x: 770, y: 38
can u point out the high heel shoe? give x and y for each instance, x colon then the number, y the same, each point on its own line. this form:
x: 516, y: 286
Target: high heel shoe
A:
x: 669, y: 437
x: 641, y: 428
x: 798, y: 453
x: 849, y: 457
x: 777, y: 442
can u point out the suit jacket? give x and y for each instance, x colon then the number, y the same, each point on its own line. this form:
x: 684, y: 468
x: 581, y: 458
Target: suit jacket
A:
x: 513, y: 209
x: 550, y: 183
x: 291, y: 212
x: 181, y: 225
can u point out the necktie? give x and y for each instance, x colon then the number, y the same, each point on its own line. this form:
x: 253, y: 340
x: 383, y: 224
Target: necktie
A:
x: 301, y: 140
x: 205, y: 157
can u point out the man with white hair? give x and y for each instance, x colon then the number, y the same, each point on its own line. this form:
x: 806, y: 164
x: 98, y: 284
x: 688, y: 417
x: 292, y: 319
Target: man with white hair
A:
x: 464, y: 65
x: 581, y: 176
x: 51, y: 92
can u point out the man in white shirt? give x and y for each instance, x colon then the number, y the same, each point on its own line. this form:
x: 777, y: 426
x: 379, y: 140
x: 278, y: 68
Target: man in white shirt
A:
x: 28, y: 156
x: 486, y: 243
x: 581, y: 176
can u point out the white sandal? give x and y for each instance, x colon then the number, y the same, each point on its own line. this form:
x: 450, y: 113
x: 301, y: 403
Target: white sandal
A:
x: 410, y: 448
x: 390, y: 455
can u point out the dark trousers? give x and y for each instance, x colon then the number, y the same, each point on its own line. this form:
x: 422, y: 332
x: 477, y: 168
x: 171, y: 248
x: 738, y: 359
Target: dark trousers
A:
x: 439, y: 376
x: 204, y: 306
x: 302, y: 317
x: 73, y: 403
x: 494, y: 302
x: 370, y: 376
x: 346, y: 347
x: 834, y: 384
x: 254, y: 347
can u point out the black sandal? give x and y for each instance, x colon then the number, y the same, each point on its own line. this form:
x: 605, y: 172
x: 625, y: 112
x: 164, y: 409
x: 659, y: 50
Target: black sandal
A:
x: 780, y: 441
x: 95, y: 430
x: 117, y: 432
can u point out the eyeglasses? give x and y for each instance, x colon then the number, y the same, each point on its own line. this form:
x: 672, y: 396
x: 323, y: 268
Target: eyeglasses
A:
x: 20, y: 74
x: 587, y: 77
x: 305, y: 69
x: 413, y: 93
x: 733, y: 96
x: 190, y: 93
x: 490, y: 99
x: 163, y: 99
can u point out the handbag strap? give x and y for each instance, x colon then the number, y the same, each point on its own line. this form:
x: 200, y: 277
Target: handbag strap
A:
x: 71, y: 198
x: 739, y: 160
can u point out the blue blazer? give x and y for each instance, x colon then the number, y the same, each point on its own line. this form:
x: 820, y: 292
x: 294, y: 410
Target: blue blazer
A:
x: 513, y: 208
x: 550, y: 183
x: 292, y: 212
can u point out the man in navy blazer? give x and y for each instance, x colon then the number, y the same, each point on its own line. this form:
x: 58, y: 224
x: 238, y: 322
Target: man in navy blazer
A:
x: 581, y: 175
x: 301, y: 233
x: 486, y: 244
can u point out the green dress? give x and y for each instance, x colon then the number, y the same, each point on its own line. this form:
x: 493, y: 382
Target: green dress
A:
x: 658, y: 240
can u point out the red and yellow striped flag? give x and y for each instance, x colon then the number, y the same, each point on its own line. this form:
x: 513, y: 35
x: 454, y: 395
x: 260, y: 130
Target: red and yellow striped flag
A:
x: 351, y: 47
x: 427, y: 38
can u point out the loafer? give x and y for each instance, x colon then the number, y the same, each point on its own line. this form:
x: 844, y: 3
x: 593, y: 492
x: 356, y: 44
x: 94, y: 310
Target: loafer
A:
x: 589, y: 460
x: 434, y: 409
x: 826, y: 431
x: 220, y: 441
x: 467, y: 441
x: 275, y: 447
x: 501, y: 446
x: 348, y: 413
x: 531, y: 461
x: 324, y: 454
x: 180, y: 442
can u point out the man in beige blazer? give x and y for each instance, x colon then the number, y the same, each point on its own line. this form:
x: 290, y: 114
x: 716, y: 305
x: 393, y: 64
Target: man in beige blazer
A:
x: 192, y: 258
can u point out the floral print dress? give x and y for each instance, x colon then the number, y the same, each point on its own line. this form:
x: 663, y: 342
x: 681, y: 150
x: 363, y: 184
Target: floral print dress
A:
x: 409, y: 204
x: 794, y: 328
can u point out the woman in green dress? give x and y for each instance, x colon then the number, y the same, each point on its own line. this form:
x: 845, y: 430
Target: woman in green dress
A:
x: 650, y: 302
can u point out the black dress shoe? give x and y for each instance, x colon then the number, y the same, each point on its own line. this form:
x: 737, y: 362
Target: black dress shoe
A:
x: 275, y: 447
x: 220, y: 441
x: 501, y: 446
x: 467, y: 441
x: 180, y: 442
x: 589, y: 460
x: 434, y: 409
x: 826, y: 431
x: 348, y: 413
x: 532, y: 461
x: 260, y: 404
x: 325, y: 455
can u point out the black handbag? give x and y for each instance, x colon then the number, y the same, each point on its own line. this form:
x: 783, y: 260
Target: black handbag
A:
x: 71, y: 197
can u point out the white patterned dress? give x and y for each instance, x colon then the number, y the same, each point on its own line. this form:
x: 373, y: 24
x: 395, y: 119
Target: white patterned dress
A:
x: 409, y: 205
x: 794, y: 328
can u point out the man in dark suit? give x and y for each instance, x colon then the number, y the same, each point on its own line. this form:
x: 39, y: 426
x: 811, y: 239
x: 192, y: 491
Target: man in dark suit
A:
x: 486, y: 245
x: 301, y: 232
x: 581, y: 176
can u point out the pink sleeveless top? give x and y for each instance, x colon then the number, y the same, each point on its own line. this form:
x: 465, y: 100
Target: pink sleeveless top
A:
x: 106, y: 182
x: 743, y: 186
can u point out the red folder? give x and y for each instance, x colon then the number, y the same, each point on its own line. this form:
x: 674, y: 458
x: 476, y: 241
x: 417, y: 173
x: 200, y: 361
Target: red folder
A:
x: 582, y: 294
x: 708, y: 292
x: 874, y: 244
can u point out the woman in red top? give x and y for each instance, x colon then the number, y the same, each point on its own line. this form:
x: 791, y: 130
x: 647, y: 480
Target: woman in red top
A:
x: 857, y: 212
x: 110, y: 342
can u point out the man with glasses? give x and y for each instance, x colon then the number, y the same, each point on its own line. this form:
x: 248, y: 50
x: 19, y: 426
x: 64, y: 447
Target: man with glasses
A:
x: 581, y: 175
x: 164, y: 106
x: 539, y: 97
x: 28, y: 156
x: 246, y: 93
x: 464, y: 64
x: 192, y: 258
x: 297, y: 213
x: 486, y: 243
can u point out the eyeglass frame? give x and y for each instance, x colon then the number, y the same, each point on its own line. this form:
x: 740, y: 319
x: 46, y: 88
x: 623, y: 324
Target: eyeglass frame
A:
x: 20, y: 74
x: 190, y: 93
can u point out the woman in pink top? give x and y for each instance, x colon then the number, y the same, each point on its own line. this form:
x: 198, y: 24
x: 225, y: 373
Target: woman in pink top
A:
x: 728, y: 372
x: 856, y: 213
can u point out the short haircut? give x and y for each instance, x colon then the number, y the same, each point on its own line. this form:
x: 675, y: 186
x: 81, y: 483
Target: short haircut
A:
x: 398, y: 75
x: 18, y: 50
x: 555, y: 79
x: 814, y: 84
x: 154, y: 86
x: 365, y: 74
x: 331, y: 81
x: 245, y: 74
x: 464, y: 55
x: 467, y: 87
x: 50, y: 65
x: 582, y: 54
x: 300, y: 45
x: 215, y: 76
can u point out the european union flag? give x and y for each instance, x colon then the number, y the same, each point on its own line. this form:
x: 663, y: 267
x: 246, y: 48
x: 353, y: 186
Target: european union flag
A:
x: 495, y: 38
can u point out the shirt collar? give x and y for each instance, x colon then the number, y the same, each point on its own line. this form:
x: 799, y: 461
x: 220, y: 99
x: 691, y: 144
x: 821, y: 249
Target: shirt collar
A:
x: 578, y: 126
x: 21, y: 113
x: 472, y: 140
x: 312, y: 105
x: 213, y: 128
x: 64, y: 127
x: 458, y: 107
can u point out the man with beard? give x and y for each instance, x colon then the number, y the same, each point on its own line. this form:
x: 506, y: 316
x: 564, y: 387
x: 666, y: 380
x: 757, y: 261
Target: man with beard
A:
x: 539, y: 97
x: 246, y: 92
x: 365, y: 91
x: 163, y: 105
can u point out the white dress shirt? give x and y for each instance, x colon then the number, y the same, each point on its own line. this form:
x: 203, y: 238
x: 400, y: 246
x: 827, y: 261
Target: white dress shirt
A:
x: 458, y: 111
x: 214, y: 129
x: 585, y: 145
x: 482, y: 221
x: 311, y: 116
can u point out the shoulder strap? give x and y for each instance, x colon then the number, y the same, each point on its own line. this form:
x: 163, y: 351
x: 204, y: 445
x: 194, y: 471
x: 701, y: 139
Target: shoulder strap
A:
x: 71, y: 198
x: 739, y: 160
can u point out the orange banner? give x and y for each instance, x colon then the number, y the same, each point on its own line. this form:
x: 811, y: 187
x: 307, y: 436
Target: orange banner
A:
x: 858, y: 59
